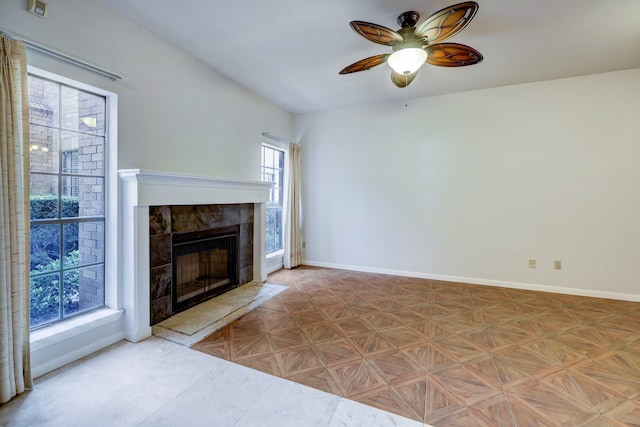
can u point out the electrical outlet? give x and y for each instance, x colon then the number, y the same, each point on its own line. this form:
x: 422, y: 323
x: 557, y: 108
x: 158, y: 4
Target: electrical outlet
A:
x: 304, y: 245
x: 532, y: 263
x: 557, y: 264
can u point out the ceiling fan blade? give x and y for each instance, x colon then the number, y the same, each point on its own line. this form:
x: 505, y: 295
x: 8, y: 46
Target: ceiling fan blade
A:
x: 447, y: 22
x: 376, y: 33
x: 402, y: 80
x: 452, y: 55
x: 365, y: 64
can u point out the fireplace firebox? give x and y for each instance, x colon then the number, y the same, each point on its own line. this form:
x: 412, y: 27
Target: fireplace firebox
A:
x: 205, y: 265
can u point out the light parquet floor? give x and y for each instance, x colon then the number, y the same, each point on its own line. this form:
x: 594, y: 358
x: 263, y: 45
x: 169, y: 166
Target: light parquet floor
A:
x: 446, y: 354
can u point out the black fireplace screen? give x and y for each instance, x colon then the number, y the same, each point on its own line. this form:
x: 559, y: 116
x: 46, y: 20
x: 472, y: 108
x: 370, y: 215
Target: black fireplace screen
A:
x: 205, y: 265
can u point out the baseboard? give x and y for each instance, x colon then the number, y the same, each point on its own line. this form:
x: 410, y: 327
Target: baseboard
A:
x: 64, y: 342
x: 72, y: 356
x: 137, y: 336
x: 477, y: 281
x: 274, y: 263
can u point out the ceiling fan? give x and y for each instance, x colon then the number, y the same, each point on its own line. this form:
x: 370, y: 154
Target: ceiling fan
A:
x: 413, y: 46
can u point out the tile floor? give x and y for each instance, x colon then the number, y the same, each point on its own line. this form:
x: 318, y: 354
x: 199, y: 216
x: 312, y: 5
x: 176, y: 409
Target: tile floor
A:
x: 160, y: 383
x: 447, y: 354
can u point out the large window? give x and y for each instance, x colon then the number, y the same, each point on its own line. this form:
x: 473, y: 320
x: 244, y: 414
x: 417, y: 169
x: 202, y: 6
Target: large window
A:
x: 68, y: 155
x: 273, y: 171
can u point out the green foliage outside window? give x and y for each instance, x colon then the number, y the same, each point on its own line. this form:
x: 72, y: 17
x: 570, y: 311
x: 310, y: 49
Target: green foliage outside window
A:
x: 274, y: 227
x: 45, y: 207
x: 45, y: 289
x: 45, y: 241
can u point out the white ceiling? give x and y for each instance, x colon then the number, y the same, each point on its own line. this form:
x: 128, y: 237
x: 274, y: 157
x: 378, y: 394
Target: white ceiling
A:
x: 290, y: 51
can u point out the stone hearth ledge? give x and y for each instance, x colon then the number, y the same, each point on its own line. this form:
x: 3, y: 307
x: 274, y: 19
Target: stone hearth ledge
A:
x: 197, y: 323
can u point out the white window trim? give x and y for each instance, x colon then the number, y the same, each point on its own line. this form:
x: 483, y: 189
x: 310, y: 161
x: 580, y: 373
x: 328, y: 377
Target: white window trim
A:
x: 275, y: 260
x: 63, y: 330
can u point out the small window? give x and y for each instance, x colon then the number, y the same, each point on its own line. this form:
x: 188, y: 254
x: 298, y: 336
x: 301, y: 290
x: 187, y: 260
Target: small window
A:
x: 67, y: 200
x: 70, y: 166
x: 273, y: 171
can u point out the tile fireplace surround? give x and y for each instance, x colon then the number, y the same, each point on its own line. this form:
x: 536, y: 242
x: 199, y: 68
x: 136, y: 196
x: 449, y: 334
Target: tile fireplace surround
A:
x: 170, y: 222
x: 142, y: 189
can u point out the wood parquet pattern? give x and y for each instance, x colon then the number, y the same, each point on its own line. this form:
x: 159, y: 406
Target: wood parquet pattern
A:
x: 446, y: 354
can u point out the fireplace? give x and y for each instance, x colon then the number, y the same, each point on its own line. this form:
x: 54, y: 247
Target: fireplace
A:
x: 156, y: 205
x: 205, y: 265
x: 197, y: 252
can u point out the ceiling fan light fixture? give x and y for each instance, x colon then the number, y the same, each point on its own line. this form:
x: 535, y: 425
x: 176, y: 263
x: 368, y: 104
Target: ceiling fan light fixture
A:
x: 413, y: 45
x: 408, y: 60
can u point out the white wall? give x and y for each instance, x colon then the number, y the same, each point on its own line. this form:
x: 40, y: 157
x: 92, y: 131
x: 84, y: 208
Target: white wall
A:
x: 470, y: 186
x: 175, y: 115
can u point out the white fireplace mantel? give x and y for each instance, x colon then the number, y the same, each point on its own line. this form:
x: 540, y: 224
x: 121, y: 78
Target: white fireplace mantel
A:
x: 144, y: 188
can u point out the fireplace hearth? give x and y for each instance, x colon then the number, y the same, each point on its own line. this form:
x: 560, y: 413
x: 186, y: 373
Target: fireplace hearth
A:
x: 205, y: 265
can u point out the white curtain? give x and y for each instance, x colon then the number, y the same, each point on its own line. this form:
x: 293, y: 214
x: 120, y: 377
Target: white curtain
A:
x: 15, y: 363
x: 292, y: 239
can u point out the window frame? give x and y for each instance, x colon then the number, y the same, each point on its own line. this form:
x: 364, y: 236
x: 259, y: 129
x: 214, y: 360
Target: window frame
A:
x: 112, y: 293
x: 275, y: 257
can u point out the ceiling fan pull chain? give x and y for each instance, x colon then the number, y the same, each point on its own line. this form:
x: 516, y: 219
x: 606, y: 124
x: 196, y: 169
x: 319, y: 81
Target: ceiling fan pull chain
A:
x: 406, y: 89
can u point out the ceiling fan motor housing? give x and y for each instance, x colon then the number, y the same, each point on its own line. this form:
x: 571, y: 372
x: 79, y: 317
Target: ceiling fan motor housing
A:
x: 409, y: 39
x: 408, y: 19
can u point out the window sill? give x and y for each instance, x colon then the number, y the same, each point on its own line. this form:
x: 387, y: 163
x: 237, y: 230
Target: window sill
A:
x: 275, y: 261
x: 58, y: 332
x: 276, y: 254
